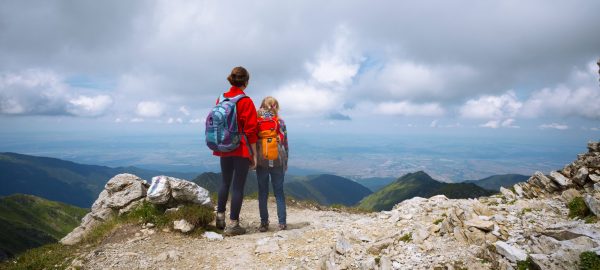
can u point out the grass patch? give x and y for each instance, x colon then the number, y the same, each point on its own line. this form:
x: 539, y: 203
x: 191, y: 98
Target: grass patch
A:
x: 438, y: 221
x: 577, y: 208
x: 591, y: 219
x: 444, y: 215
x: 406, y: 237
x: 197, y: 215
x: 512, y: 202
x: 526, y: 210
x: 526, y: 264
x: 51, y: 256
x: 589, y: 261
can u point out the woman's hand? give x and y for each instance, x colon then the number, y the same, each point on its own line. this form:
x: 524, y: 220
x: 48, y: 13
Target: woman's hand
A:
x: 253, y: 162
x: 254, y: 154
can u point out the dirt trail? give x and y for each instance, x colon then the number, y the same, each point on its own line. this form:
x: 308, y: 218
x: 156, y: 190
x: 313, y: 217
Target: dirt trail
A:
x: 311, y: 235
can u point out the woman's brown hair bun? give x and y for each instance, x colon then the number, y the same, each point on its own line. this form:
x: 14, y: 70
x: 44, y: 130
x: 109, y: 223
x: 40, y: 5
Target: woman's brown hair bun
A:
x: 239, y: 77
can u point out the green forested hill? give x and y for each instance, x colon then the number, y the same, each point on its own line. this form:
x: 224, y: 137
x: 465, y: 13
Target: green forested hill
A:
x: 60, y: 180
x: 418, y: 184
x: 327, y: 189
x: 27, y: 221
x: 494, y: 182
x: 323, y: 188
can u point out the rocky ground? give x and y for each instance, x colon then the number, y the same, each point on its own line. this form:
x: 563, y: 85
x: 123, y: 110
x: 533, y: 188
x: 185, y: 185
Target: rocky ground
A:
x: 528, y: 222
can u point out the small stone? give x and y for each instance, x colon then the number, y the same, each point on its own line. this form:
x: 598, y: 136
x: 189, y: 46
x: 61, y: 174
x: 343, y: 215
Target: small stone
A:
x: 594, y: 177
x: 342, y: 245
x: 581, y: 176
x: 150, y: 225
x: 478, y: 223
x: 511, y: 253
x: 212, y: 236
x: 385, y: 263
x: 183, y: 226
x: 172, y: 255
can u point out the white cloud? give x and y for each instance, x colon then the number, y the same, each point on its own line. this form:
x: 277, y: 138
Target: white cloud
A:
x: 136, y: 120
x: 508, y: 123
x: 43, y: 92
x: 172, y: 120
x: 300, y: 97
x: 578, y: 96
x: 150, y: 109
x: 184, y: 110
x: 197, y: 120
x: 554, y: 126
x: 406, y: 108
x: 492, y: 107
x: 434, y: 123
x: 89, y: 106
x: 337, y: 63
x: 118, y: 120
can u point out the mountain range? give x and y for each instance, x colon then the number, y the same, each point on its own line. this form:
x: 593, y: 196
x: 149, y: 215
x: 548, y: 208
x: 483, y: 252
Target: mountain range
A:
x: 418, y: 184
x: 27, y: 221
x: 60, y: 180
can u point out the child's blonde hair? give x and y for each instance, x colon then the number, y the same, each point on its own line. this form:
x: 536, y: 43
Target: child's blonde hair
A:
x: 269, y: 104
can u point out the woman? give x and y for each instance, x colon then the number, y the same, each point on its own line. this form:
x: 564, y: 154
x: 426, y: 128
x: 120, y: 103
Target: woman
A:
x: 272, y: 161
x: 235, y: 164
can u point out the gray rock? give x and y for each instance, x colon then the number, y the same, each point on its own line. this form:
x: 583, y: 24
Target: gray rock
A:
x: 594, y: 177
x: 123, y: 189
x: 385, y: 263
x: 160, y: 190
x: 378, y: 246
x: 542, y: 261
x: 484, y: 225
x: 132, y: 205
x: 519, y: 190
x: 342, y: 245
x: 596, y: 186
x: 570, y: 194
x: 560, y: 179
x: 99, y: 203
x: 540, y: 180
x: 420, y: 235
x: 186, y: 191
x: 103, y: 214
x: 594, y: 146
x: 593, y: 204
x: 581, y: 176
x: 507, y: 193
x: 509, y: 252
x: 183, y: 226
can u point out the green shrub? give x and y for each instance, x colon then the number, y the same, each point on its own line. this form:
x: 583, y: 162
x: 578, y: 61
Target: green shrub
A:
x: 438, y: 221
x: 577, y: 208
x: 406, y: 237
x: 589, y: 261
x: 526, y: 264
x: 147, y: 212
x: 198, y: 215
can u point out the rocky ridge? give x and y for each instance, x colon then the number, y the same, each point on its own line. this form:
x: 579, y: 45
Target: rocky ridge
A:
x: 526, y: 223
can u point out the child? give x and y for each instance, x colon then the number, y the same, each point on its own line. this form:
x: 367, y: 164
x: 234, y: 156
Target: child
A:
x: 272, y: 148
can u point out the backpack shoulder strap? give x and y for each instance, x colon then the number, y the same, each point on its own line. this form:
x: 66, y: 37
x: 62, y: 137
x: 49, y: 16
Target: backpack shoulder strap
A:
x: 237, y: 98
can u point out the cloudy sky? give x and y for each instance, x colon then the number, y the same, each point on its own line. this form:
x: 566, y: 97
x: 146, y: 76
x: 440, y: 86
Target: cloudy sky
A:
x: 477, y: 65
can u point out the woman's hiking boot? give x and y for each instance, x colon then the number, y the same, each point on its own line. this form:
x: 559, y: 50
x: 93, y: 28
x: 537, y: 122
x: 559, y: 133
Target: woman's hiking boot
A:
x: 234, y: 229
x: 220, y: 221
x: 264, y: 226
x: 282, y: 227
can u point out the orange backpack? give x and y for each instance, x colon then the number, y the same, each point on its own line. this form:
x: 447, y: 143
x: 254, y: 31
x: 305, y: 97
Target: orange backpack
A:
x: 268, y: 134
